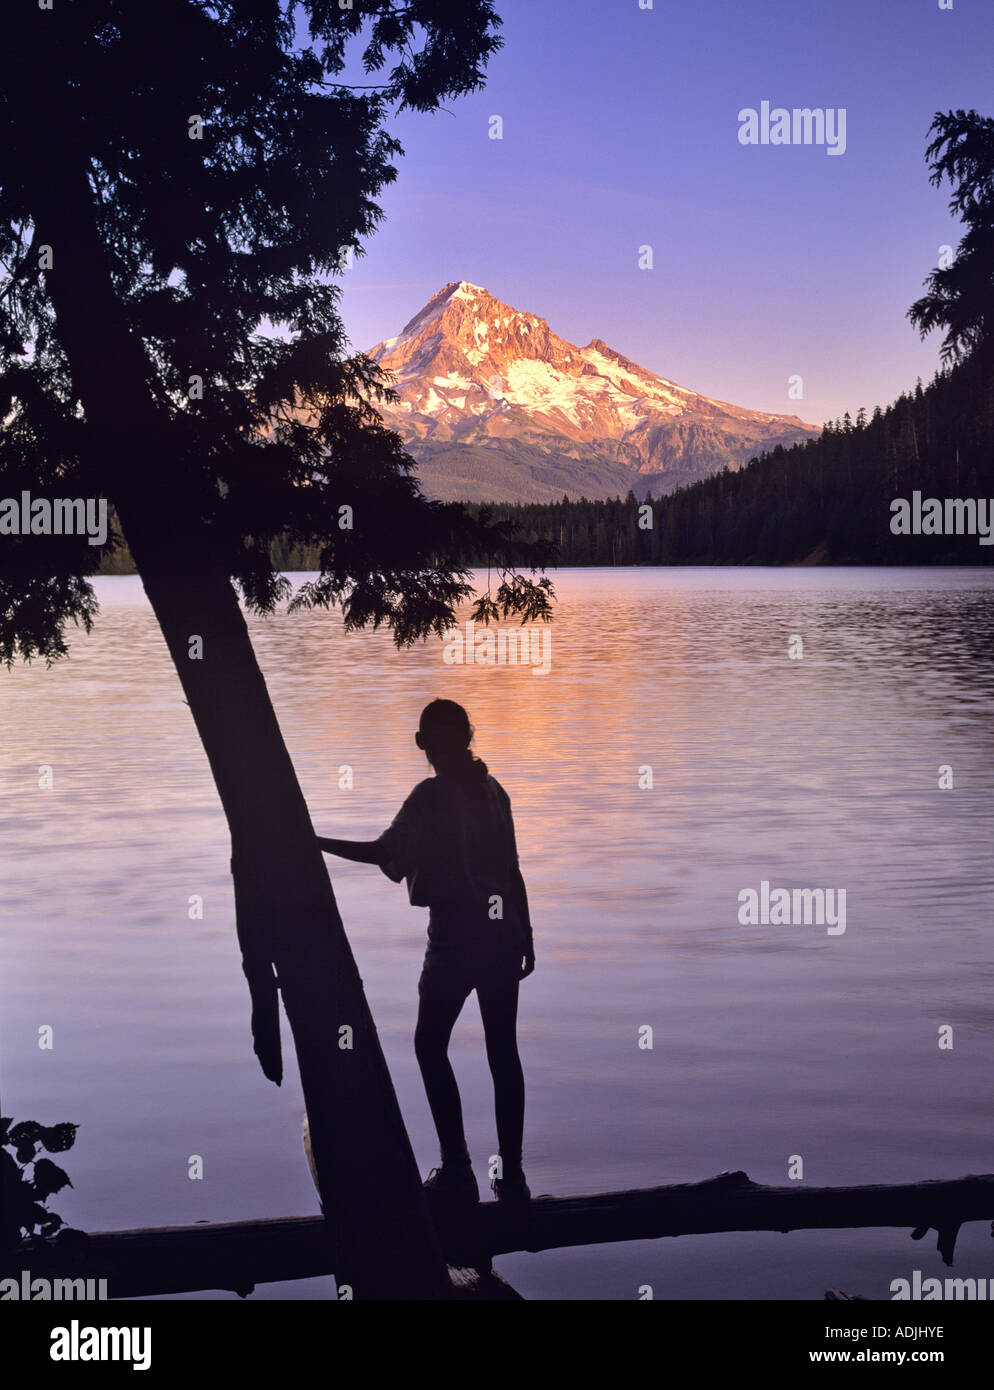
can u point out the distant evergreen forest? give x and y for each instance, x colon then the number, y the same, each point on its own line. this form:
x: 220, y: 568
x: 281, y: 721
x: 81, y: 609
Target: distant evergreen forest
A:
x: 824, y: 501
x: 827, y: 500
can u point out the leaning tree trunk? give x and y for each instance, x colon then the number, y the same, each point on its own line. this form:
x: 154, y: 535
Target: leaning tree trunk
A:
x: 385, y: 1245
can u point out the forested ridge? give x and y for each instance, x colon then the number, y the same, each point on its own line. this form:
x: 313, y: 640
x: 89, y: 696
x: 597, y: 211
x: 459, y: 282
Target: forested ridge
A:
x: 827, y: 500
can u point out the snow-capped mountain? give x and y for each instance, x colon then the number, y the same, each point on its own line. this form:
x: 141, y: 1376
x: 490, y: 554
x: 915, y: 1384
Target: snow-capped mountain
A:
x: 497, y: 407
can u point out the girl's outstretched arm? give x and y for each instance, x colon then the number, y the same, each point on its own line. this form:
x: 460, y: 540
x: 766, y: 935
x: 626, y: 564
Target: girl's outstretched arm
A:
x: 360, y: 851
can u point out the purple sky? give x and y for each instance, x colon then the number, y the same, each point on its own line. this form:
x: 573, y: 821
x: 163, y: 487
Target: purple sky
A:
x: 621, y: 129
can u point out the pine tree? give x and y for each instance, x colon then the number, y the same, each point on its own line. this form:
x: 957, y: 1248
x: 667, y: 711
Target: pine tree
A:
x: 961, y: 295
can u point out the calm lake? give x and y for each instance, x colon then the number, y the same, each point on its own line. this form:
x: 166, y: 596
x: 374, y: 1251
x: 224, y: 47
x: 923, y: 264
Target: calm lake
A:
x: 769, y: 1041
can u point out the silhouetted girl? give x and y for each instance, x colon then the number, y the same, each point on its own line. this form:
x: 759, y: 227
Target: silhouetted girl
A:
x: 453, y: 841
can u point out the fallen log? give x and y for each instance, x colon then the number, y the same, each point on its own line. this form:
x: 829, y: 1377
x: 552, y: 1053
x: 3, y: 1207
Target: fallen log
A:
x: 730, y: 1202
x: 236, y: 1255
x: 231, y: 1255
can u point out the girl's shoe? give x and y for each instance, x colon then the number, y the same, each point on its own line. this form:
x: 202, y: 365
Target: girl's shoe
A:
x: 512, y: 1188
x: 456, y: 1184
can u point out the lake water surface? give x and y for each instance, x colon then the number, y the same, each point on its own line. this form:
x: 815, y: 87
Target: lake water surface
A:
x: 768, y: 1041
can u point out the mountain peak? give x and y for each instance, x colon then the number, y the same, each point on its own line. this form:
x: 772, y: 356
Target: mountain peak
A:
x: 454, y: 293
x: 465, y: 289
x: 477, y: 378
x: 459, y: 290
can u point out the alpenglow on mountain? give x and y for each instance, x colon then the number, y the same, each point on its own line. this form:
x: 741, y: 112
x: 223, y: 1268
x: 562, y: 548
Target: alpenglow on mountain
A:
x: 496, y: 408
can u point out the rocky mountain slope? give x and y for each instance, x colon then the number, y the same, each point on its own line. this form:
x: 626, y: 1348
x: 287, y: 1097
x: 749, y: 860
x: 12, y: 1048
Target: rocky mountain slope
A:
x: 497, y: 407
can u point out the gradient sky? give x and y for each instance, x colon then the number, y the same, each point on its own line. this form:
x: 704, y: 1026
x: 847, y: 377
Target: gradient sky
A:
x: 621, y: 129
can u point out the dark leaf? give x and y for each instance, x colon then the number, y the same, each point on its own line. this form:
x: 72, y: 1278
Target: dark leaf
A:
x: 24, y: 1138
x: 48, y: 1178
x: 58, y: 1138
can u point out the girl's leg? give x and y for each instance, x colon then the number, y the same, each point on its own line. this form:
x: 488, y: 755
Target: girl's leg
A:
x: 498, y: 996
x: 441, y: 1002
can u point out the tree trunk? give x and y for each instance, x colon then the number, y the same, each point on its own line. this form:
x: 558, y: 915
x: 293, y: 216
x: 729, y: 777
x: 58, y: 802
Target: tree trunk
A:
x: 385, y: 1245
